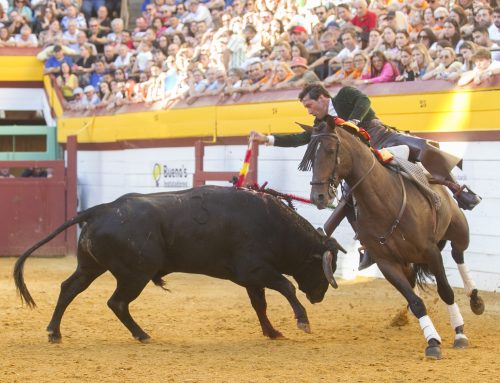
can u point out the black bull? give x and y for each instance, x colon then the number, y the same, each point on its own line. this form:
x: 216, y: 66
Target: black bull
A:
x: 243, y: 236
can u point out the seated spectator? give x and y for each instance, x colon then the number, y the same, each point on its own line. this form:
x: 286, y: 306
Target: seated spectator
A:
x: 97, y: 75
x: 52, y: 36
x: 467, y: 50
x: 347, y: 72
x: 198, y: 12
x: 76, y: 102
x: 389, y: 46
x: 217, y: 82
x: 53, y: 64
x: 350, y: 43
x: 344, y: 14
x: 302, y: 75
x: 421, y: 60
x: 96, y: 35
x: 72, y: 15
x: 6, y: 40
x: 234, y: 82
x: 485, y: 68
x: 197, y: 85
x: 451, y: 32
x: 4, y: 18
x: 416, y: 23
x: 381, y: 70
x: 115, y: 37
x: 256, y: 78
x: 123, y: 59
x: 85, y: 65
x: 299, y: 50
x: 494, y: 29
x: 428, y: 38
x: 481, y: 37
x: 447, y: 66
x: 16, y: 22
x: 109, y: 57
x: 67, y: 80
x: 21, y: 9
x: 408, y: 69
x: 330, y: 48
x: 365, y: 20
x: 298, y: 34
x: 144, y: 55
x: 5, y: 173
x: 45, y: 18
x: 70, y: 37
x: 375, y: 42
x: 361, y: 65
x: 282, y: 73
x: 440, y: 15
x: 91, y: 99
x: 26, y: 39
x: 103, y: 19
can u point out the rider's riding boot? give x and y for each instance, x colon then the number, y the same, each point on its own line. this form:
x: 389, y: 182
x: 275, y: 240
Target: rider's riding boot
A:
x: 466, y: 198
x: 365, y: 260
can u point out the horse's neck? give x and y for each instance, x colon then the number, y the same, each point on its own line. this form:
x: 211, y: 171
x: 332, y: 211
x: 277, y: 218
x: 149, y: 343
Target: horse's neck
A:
x: 374, y: 189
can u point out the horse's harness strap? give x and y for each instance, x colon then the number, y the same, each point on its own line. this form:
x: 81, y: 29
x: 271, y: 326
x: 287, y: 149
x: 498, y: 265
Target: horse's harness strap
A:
x: 383, y: 239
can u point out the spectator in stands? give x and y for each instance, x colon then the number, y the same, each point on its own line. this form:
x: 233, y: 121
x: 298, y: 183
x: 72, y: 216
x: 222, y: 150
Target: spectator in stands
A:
x: 51, y: 36
x: 6, y: 40
x: 16, y: 22
x: 440, y: 15
x: 144, y: 55
x: 485, y: 68
x: 85, y: 65
x: 21, y: 9
x: 484, y: 17
x: 255, y: 79
x: 123, y: 59
x: 197, y: 85
x: 350, y: 43
x: 241, y: 47
x: 344, y: 15
x: 70, y: 37
x: 83, y: 41
x: 53, y: 64
x: 330, y: 48
x: 302, y: 75
x: 429, y: 20
x: 104, y: 95
x: 5, y: 173
x: 91, y: 99
x: 198, y: 12
x: 299, y: 50
x: 375, y: 42
x: 447, y: 66
x: 407, y: 68
x: 72, y: 14
x: 365, y: 20
x: 34, y: 172
x: 103, y: 19
x: 467, y: 50
x: 494, y: 29
x: 481, y: 37
x: 216, y: 81
x: 451, y: 33
x: 428, y: 38
x: 421, y: 60
x: 96, y: 35
x: 115, y: 37
x: 416, y: 23
x: 282, y: 51
x: 282, y: 73
x: 402, y: 41
x: 45, y: 18
x: 458, y: 14
x: 361, y: 66
x: 298, y: 34
x: 4, y: 17
x: 26, y: 39
x: 347, y: 72
x: 381, y: 70
x: 97, y: 76
x: 389, y: 46
x: 67, y: 80
x: 109, y: 57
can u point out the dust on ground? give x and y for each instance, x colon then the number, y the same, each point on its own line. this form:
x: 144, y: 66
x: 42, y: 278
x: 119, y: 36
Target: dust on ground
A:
x: 205, y: 330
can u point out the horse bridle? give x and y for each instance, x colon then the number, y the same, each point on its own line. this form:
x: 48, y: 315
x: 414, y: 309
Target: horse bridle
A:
x: 333, y: 181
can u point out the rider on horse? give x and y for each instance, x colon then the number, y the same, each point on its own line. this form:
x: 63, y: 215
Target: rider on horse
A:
x: 353, y: 106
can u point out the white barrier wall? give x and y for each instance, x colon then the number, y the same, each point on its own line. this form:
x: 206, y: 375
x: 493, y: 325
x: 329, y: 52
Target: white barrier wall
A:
x: 105, y: 175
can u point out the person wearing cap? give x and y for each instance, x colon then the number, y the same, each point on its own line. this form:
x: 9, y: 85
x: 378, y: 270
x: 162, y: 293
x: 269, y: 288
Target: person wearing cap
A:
x: 91, y: 99
x: 302, y: 75
x: 298, y: 34
x: 485, y: 68
x: 353, y: 106
x: 77, y: 102
x: 53, y: 64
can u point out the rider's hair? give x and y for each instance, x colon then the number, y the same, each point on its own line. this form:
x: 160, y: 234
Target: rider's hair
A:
x: 313, y: 90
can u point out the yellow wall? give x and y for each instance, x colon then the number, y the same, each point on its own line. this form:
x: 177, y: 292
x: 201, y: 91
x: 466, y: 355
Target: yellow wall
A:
x: 20, y: 68
x: 450, y: 111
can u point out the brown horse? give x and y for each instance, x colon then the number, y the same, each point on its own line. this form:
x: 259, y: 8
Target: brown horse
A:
x: 401, y: 229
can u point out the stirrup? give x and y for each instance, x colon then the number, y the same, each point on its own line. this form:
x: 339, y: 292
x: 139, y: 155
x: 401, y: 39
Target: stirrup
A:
x: 466, y: 198
x: 365, y: 260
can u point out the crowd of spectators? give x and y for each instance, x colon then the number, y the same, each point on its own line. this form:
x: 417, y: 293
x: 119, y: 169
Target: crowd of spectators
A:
x: 190, y: 49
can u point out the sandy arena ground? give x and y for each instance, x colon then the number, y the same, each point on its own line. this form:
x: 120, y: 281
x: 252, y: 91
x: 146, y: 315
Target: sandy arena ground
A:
x: 205, y: 330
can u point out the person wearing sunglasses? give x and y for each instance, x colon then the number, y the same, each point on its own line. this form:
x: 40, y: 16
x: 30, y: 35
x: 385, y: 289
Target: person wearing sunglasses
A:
x: 448, y: 65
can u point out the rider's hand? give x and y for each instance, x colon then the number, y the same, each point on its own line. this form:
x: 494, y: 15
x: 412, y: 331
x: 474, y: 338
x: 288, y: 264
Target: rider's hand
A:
x: 258, y: 137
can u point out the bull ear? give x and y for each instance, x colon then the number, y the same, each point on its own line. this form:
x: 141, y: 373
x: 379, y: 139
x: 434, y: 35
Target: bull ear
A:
x: 307, y: 128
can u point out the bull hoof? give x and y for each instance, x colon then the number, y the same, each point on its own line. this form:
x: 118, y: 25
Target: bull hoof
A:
x: 54, y: 338
x: 143, y: 338
x: 476, y: 303
x: 433, y: 352
x: 304, y: 327
x: 461, y: 341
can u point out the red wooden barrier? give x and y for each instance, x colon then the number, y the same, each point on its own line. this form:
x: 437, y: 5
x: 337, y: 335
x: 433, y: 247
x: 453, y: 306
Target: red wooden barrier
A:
x: 32, y: 207
x: 201, y: 176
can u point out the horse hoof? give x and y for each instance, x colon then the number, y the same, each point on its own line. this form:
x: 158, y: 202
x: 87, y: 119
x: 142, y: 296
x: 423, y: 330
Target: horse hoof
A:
x: 461, y: 342
x: 433, y: 352
x: 304, y: 327
x: 476, y: 303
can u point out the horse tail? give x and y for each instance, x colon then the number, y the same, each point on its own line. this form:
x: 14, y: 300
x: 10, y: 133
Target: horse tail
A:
x: 423, y: 274
x: 19, y: 266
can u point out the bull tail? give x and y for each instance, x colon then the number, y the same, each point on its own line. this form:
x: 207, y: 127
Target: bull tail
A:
x: 19, y: 266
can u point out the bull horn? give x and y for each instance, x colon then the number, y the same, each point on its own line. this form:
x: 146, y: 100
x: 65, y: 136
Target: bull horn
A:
x: 307, y: 128
x: 327, y: 268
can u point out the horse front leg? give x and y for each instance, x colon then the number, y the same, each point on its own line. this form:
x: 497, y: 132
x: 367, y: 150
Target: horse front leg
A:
x: 395, y: 274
